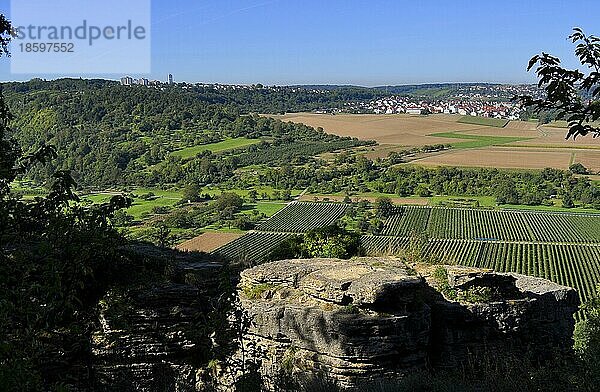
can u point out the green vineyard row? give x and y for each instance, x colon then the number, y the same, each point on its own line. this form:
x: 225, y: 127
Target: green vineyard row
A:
x: 302, y: 217
x: 494, y: 225
x: 253, y: 247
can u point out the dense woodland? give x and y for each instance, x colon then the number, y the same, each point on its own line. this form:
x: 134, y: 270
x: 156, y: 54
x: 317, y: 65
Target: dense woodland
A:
x: 113, y: 135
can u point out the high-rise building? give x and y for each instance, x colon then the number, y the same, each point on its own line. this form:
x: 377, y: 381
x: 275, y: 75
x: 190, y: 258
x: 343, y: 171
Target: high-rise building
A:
x: 126, y: 81
x: 143, y: 81
x: 170, y: 78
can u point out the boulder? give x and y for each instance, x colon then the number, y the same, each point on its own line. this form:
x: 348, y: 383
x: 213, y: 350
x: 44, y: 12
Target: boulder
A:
x: 368, y: 318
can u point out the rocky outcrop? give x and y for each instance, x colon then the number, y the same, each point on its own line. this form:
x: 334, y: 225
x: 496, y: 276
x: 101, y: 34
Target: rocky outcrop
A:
x: 148, y: 339
x: 370, y: 318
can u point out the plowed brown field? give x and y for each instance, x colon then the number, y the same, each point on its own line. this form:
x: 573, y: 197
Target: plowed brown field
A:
x: 208, y: 242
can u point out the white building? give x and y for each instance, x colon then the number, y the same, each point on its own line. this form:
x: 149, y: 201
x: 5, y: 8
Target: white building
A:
x: 126, y: 81
x: 414, y: 110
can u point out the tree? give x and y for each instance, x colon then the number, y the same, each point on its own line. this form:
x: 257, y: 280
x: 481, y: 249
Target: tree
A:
x: 331, y: 242
x: 57, y: 258
x: 572, y: 94
x: 162, y: 236
x: 506, y: 193
x: 191, y: 193
x: 578, y: 168
x: 229, y: 201
x: 422, y: 190
x: 567, y: 201
x: 384, y: 206
x: 121, y: 218
x: 252, y: 196
x: 587, y: 333
x: 286, y: 195
x: 243, y: 222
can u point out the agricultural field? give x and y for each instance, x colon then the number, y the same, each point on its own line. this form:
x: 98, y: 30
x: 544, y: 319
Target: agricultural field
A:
x: 403, y: 130
x: 409, y: 221
x: 251, y: 248
x: 264, y: 207
x: 521, y: 125
x: 506, y: 158
x: 573, y: 265
x: 562, y: 247
x: 208, y: 242
x: 494, y: 225
x: 552, y: 136
x: 145, y: 200
x: 303, y: 217
x: 490, y: 122
x: 476, y: 142
x: 376, y: 245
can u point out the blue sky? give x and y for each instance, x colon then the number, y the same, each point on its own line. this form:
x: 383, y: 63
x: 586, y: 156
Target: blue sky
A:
x: 355, y: 42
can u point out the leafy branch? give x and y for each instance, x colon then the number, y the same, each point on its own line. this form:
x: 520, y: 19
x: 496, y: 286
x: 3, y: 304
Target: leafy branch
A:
x: 573, y: 94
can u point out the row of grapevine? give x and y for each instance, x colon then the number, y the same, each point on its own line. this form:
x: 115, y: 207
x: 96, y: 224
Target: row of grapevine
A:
x: 451, y: 251
x: 413, y: 219
x: 302, y: 217
x: 552, y: 227
x: 576, y: 266
x: 493, y: 225
x: 253, y: 247
x: 477, y: 224
x: 383, y: 246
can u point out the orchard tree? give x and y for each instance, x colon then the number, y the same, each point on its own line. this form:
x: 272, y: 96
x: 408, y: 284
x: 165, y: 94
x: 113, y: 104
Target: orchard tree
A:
x: 191, y: 193
x: 384, y: 206
x: 573, y: 94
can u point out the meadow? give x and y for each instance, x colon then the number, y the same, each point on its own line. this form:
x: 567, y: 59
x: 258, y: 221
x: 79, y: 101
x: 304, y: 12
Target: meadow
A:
x: 478, y: 141
x: 225, y: 145
x: 490, y: 122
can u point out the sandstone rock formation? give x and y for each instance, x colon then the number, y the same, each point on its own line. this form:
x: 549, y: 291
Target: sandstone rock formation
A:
x: 147, y: 340
x: 373, y: 317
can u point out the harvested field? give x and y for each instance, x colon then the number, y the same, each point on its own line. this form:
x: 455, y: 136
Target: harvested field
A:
x: 502, y: 157
x: 385, y: 129
x: 555, y: 137
x: 491, y: 122
x: 521, y: 125
x: 589, y: 159
x: 208, y: 242
x: 546, y: 146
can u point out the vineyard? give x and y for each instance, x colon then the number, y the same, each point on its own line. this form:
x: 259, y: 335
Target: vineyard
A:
x: 303, y: 217
x: 375, y: 245
x: 407, y: 221
x: 562, y: 247
x: 253, y: 247
x: 574, y: 265
x: 493, y: 225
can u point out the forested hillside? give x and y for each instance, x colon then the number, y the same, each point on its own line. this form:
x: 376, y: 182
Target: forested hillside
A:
x: 114, y: 135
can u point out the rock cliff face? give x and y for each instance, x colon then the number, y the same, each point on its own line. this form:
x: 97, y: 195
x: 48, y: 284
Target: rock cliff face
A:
x: 347, y: 320
x: 364, y: 319
x: 148, y: 337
